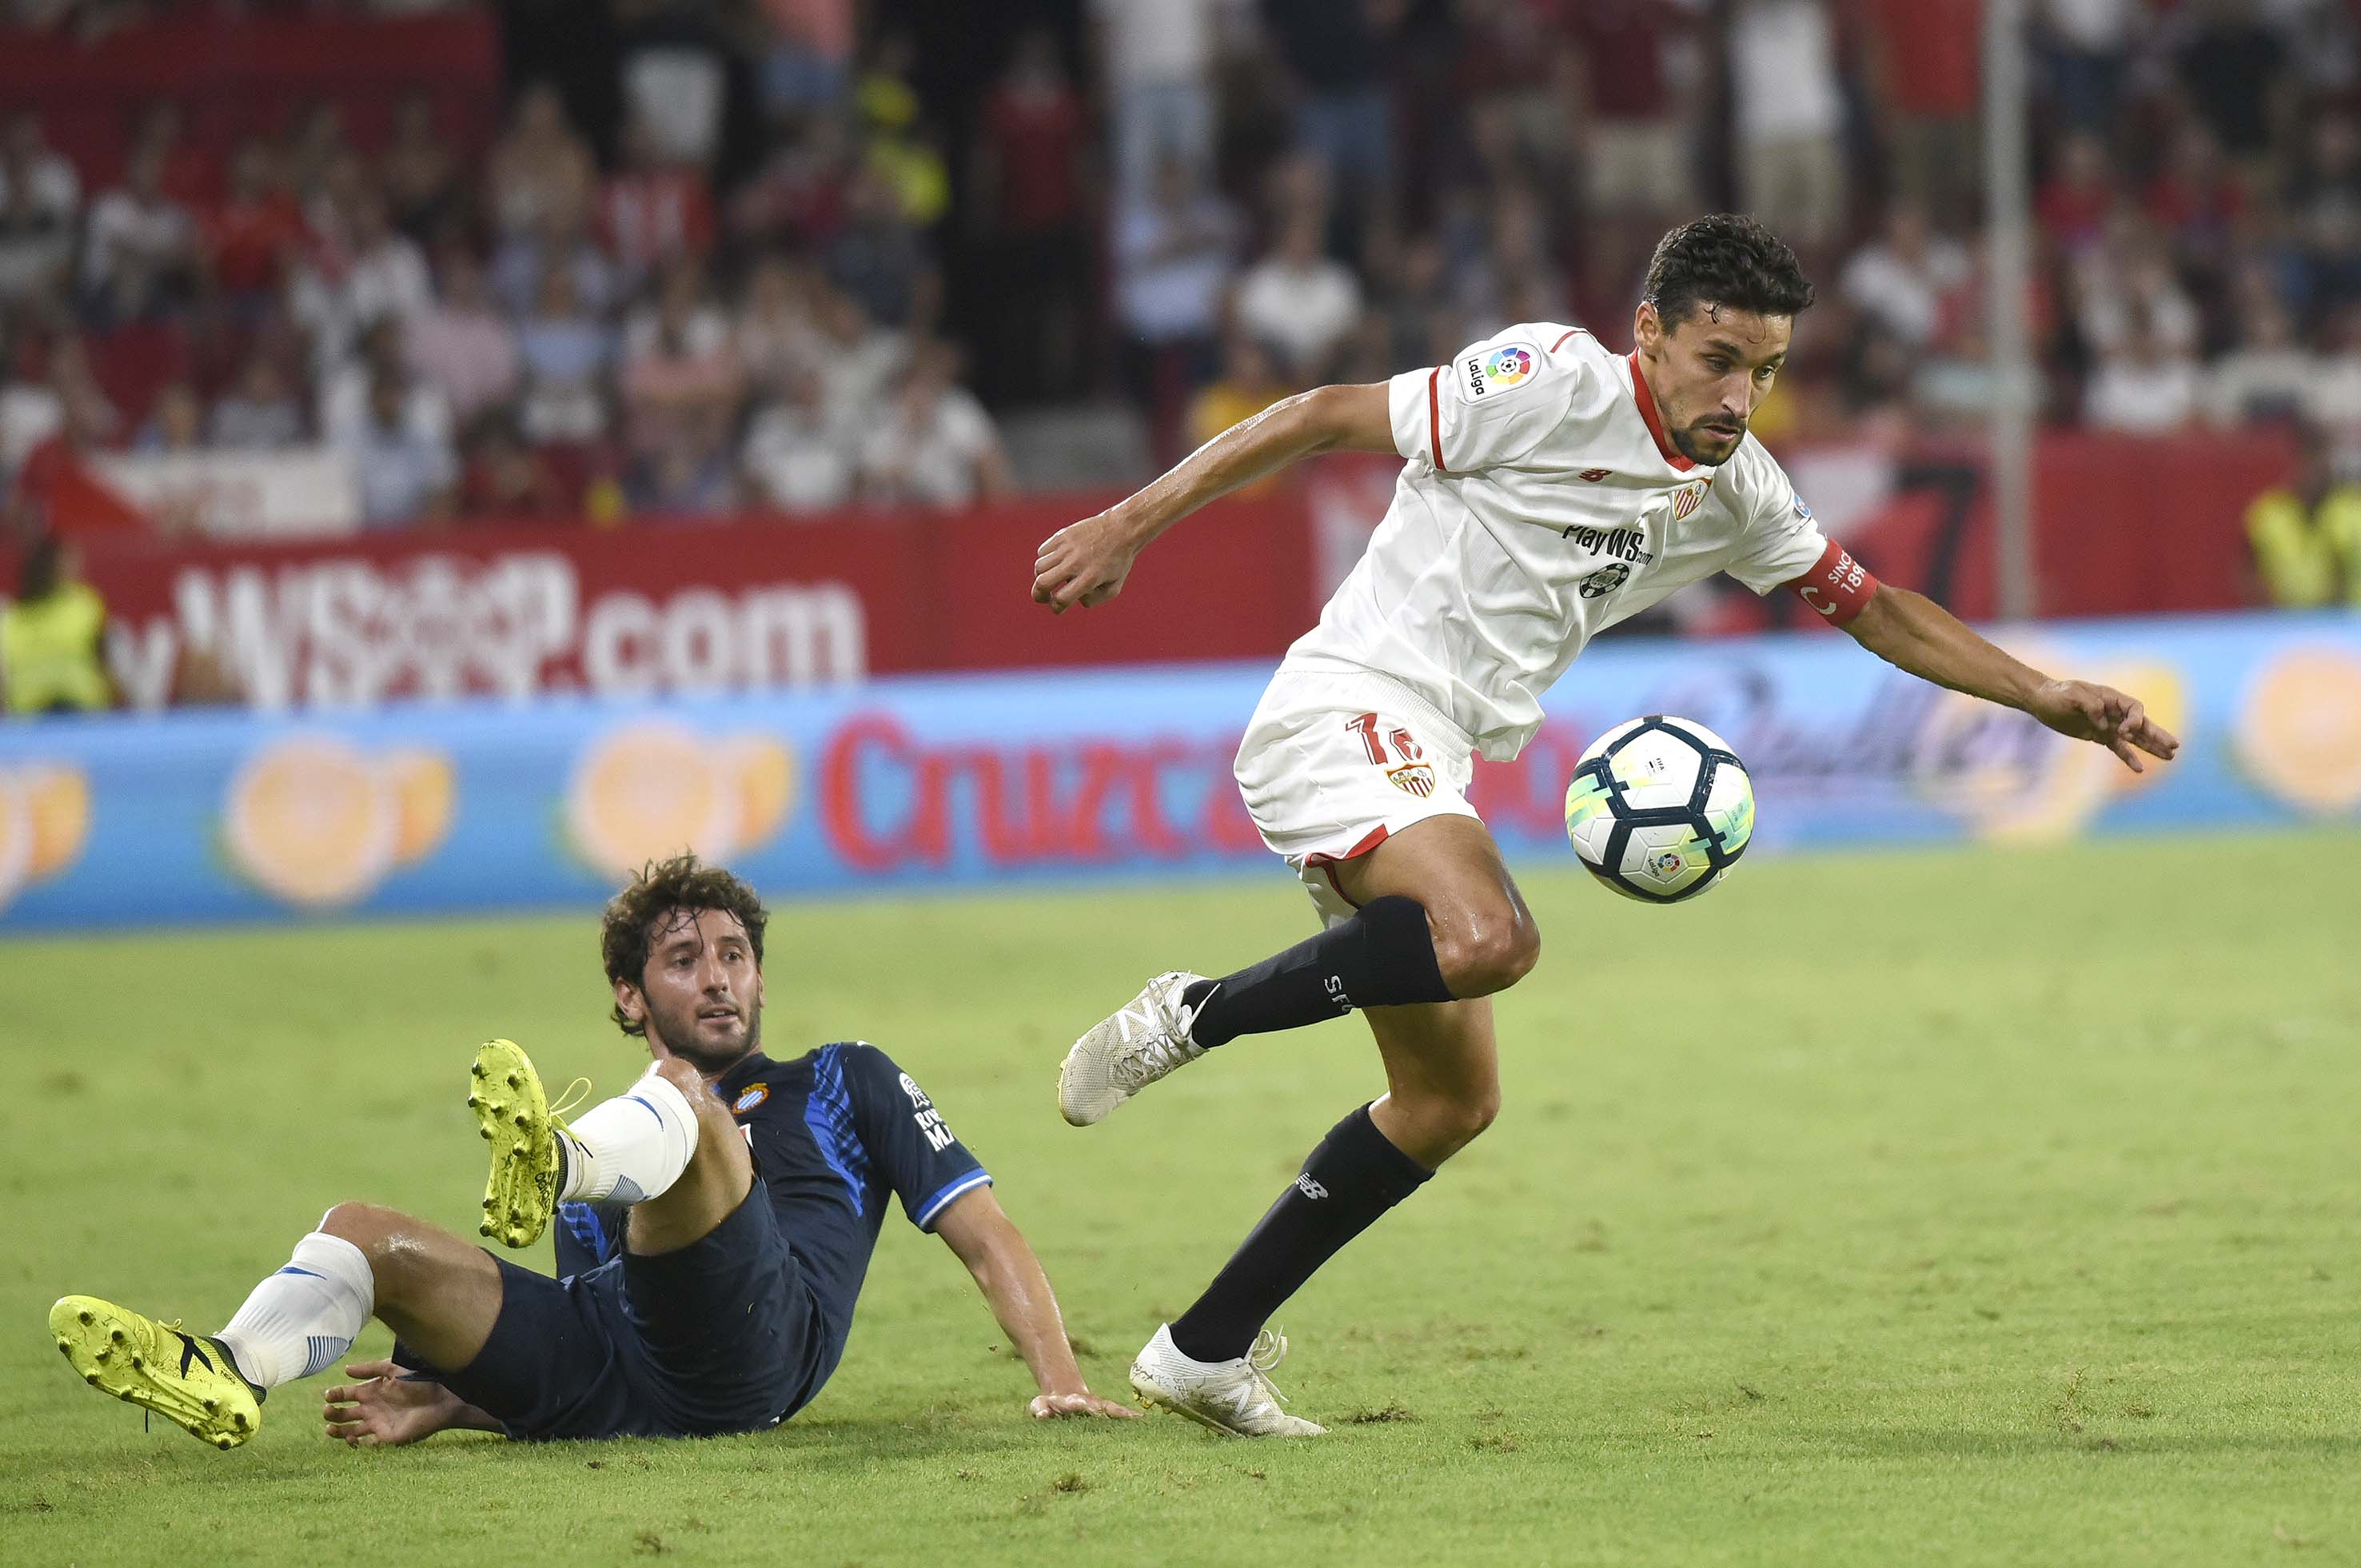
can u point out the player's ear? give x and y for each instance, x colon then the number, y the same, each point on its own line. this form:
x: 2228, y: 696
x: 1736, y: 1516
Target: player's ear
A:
x: 1647, y: 327
x: 629, y: 1002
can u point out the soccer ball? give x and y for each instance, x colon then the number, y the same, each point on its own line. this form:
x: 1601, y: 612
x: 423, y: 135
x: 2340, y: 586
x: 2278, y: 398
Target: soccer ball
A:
x: 1660, y: 809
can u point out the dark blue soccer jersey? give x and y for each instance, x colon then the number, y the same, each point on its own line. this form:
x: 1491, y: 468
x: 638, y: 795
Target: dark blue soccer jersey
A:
x: 836, y: 1134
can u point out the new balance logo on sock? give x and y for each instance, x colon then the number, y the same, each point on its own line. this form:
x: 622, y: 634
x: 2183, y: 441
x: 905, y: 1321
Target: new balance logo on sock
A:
x: 1309, y: 1188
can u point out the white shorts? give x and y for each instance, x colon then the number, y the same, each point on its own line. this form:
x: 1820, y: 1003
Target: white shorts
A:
x: 1332, y: 765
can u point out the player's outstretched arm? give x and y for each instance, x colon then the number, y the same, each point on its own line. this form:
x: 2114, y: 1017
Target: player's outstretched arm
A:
x: 1011, y: 1278
x: 1912, y: 632
x: 1085, y: 563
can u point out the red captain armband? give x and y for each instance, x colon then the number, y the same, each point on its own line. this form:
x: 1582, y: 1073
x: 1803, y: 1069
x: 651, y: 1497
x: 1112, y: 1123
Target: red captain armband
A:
x: 1837, y: 585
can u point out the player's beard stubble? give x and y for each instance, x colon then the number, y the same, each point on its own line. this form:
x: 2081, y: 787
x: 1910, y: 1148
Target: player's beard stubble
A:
x: 711, y: 1050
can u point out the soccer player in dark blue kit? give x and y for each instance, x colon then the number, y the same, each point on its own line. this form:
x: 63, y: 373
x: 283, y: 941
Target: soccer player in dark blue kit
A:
x: 714, y: 1225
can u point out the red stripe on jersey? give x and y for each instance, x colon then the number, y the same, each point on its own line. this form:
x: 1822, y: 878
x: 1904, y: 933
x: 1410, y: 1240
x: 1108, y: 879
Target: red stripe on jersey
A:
x: 1434, y: 417
x: 1560, y: 343
x: 1838, y: 586
x: 1647, y: 401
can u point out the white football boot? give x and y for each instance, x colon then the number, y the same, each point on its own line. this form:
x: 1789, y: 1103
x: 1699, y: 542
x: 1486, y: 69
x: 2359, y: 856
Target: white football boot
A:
x: 1126, y: 1053
x: 1233, y: 1396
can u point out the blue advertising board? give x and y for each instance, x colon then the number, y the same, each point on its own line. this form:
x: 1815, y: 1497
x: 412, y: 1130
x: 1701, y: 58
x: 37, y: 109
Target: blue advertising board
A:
x: 978, y: 781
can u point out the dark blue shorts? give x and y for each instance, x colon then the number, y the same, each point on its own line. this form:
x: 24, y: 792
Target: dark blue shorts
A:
x: 722, y: 1336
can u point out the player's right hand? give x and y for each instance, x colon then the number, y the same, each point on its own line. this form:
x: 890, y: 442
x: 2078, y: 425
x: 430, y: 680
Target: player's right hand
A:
x: 386, y: 1409
x: 1083, y: 563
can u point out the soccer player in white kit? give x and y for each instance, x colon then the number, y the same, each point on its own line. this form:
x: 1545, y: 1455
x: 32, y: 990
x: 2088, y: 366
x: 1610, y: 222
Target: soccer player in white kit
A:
x: 1549, y: 490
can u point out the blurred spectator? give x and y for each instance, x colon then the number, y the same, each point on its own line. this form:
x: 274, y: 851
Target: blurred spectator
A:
x: 1341, y: 118
x: 857, y: 359
x: 1422, y: 325
x: 775, y: 338
x: 1297, y: 300
x: 2195, y: 201
x: 1903, y: 279
x: 258, y: 412
x: 317, y: 156
x: 56, y: 489
x: 176, y: 424
x: 2325, y: 196
x: 2071, y: 206
x: 1925, y: 58
x: 797, y: 457
x: 347, y: 398
x: 681, y: 380
x: 902, y: 149
x: 932, y: 443
x: 558, y: 239
x: 1633, y: 61
x: 2132, y: 273
x: 542, y: 170
x: 345, y: 290
x: 797, y: 196
x: 881, y: 261
x: 1788, y: 108
x: 53, y: 637
x: 1516, y: 278
x: 1027, y: 186
x: 2146, y: 383
x: 677, y: 483
x: 419, y: 169
x: 2266, y: 375
x: 2303, y: 537
x: 461, y: 346
x: 1157, y: 66
x: 674, y: 75
x: 808, y: 57
x: 506, y: 480
x: 2230, y: 61
x: 406, y: 473
x: 40, y: 198
x: 654, y: 210
x: 255, y: 237
x: 2331, y: 398
x: 2086, y: 46
x: 1173, y: 252
x: 567, y: 352
x: 138, y: 246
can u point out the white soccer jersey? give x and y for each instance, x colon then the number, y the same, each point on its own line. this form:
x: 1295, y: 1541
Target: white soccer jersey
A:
x: 1539, y: 504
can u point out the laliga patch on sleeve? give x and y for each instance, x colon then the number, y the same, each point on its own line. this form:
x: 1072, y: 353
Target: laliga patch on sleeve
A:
x: 1498, y: 369
x: 1802, y: 511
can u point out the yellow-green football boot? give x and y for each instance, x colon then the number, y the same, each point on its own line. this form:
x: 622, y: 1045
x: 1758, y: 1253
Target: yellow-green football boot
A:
x: 514, y: 1115
x: 189, y: 1381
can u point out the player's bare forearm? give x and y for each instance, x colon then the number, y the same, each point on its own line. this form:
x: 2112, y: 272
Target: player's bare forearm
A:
x: 1912, y: 632
x: 1013, y: 1285
x: 1087, y: 561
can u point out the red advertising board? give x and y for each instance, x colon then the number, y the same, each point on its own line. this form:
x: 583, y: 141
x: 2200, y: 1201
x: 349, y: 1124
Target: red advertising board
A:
x: 748, y: 603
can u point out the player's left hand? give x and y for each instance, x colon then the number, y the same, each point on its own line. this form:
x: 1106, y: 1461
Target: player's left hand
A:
x: 384, y: 1410
x: 1062, y: 1407
x: 2103, y: 714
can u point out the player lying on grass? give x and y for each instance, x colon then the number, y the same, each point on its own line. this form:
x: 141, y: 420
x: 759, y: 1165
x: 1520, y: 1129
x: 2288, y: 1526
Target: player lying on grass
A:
x: 1549, y: 490
x: 714, y: 1223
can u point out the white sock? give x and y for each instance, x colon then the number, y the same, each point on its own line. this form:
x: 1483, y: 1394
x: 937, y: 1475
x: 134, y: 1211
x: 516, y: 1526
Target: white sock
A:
x: 302, y: 1319
x: 629, y: 1148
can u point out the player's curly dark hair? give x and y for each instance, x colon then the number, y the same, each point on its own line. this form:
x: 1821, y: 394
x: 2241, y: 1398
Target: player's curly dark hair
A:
x: 1725, y: 259
x: 663, y: 890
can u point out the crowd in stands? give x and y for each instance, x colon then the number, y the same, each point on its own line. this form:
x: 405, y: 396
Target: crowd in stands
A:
x: 1191, y: 206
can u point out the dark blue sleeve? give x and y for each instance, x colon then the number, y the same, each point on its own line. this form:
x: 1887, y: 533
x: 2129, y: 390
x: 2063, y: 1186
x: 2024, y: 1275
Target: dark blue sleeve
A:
x: 909, y: 1141
x: 587, y: 1234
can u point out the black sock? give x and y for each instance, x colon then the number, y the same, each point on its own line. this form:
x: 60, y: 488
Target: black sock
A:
x: 1383, y: 957
x: 1354, y: 1176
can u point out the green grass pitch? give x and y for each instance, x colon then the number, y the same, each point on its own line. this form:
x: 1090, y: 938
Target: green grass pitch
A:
x: 1969, y: 1206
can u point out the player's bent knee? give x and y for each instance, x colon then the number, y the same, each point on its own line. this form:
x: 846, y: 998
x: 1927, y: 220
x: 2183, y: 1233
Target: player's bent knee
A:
x: 1490, y: 952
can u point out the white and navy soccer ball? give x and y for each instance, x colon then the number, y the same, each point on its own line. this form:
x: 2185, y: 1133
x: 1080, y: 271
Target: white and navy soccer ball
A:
x: 1660, y: 809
